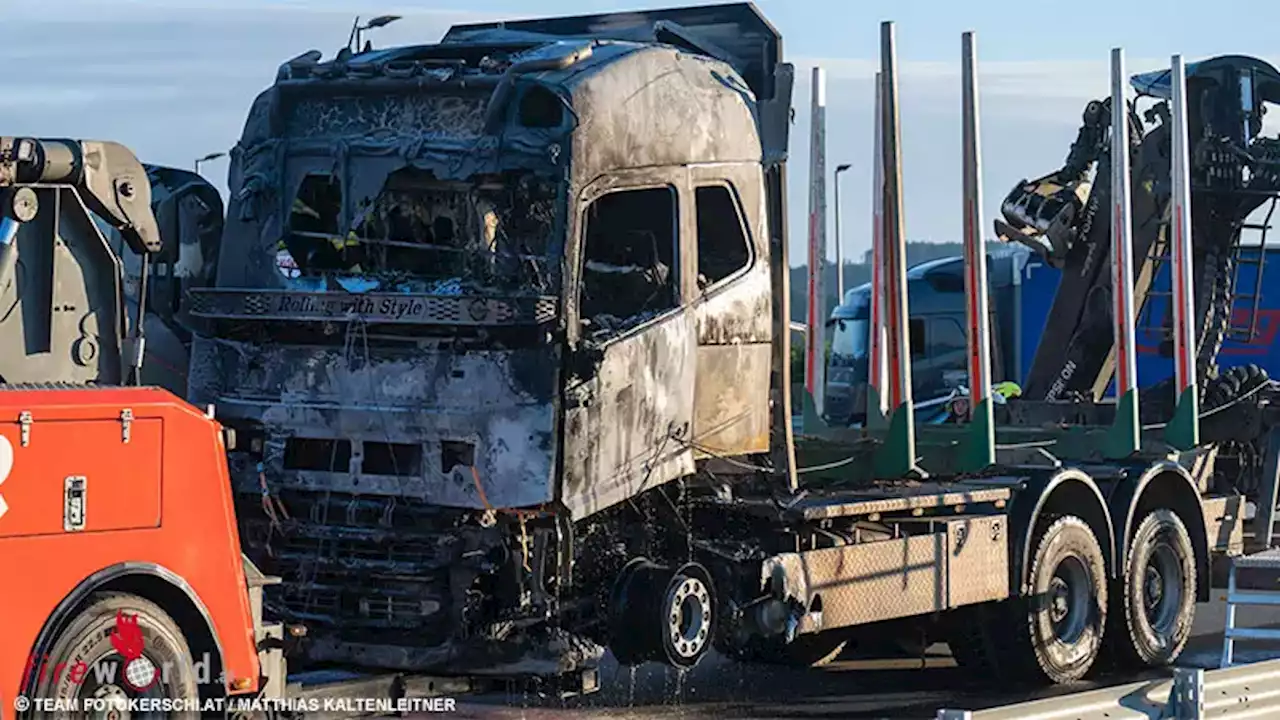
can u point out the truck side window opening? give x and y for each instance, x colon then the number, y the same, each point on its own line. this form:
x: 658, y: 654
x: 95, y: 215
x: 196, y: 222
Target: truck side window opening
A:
x: 722, y: 243
x: 628, y: 258
x: 916, y: 337
x: 947, y: 279
x: 947, y: 337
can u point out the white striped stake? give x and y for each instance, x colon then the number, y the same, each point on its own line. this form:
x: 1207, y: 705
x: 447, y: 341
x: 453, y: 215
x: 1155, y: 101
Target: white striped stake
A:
x: 896, y: 455
x: 1183, y: 431
x: 877, y: 371
x: 979, y: 451
x: 1125, y: 437
x: 815, y: 337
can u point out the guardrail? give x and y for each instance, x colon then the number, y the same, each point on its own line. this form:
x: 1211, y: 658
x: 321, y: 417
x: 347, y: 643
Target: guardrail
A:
x: 1235, y: 693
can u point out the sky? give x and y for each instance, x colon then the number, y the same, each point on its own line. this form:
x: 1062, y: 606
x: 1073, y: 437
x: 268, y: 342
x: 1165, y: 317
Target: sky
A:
x: 173, y: 79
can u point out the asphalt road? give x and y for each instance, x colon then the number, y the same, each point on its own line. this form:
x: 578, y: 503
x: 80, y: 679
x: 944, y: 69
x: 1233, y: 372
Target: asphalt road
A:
x: 719, y: 689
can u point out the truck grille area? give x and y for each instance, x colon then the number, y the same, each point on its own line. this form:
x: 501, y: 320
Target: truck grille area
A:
x: 391, y: 571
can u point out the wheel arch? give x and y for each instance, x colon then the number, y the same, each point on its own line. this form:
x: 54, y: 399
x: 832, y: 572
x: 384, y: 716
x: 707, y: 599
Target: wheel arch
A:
x: 1163, y: 485
x: 152, y: 582
x: 1069, y: 491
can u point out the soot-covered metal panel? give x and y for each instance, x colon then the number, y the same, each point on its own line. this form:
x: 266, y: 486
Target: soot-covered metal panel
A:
x: 487, y: 411
x: 660, y: 107
x: 626, y: 429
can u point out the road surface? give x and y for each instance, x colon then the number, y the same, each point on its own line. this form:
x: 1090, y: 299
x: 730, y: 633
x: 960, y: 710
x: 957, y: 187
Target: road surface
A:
x: 719, y: 689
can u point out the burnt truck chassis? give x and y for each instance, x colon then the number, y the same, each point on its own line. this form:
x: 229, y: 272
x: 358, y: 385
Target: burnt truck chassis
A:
x: 494, y: 464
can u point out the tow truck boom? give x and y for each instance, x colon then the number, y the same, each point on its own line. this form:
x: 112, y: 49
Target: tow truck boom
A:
x: 60, y: 281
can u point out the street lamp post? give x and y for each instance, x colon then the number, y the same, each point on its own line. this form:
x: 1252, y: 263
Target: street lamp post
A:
x: 357, y: 30
x: 839, y: 240
x: 207, y: 158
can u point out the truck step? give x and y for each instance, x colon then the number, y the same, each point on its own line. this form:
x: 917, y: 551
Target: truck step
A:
x: 1265, y: 560
x: 1254, y: 598
x: 1254, y: 633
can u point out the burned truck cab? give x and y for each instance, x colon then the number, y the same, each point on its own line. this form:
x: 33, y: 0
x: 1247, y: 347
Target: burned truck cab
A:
x: 471, y: 299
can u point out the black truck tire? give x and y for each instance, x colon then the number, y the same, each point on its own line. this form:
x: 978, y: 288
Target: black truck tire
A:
x: 1015, y: 640
x: 166, y: 660
x: 1152, y: 616
x: 1059, y: 634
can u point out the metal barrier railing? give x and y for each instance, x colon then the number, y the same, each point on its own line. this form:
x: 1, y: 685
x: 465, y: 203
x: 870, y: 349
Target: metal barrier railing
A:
x: 1235, y: 693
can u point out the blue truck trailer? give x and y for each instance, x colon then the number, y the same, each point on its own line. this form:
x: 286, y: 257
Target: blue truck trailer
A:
x: 1023, y: 287
x: 1251, y: 333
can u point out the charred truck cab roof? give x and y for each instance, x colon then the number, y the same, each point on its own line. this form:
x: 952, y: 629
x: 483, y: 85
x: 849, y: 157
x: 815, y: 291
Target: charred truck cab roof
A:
x: 470, y: 222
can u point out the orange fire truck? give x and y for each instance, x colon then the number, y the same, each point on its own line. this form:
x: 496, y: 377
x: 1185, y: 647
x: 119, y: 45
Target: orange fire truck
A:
x: 118, y: 539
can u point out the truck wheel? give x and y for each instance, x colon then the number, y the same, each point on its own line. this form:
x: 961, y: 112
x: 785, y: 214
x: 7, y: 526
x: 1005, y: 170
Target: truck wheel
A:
x: 662, y: 614
x: 1158, y: 593
x: 117, y: 647
x: 1066, y: 614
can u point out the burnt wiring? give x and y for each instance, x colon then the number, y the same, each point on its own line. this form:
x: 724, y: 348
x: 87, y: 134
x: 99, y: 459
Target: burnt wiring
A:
x: 484, y: 499
x: 272, y: 505
x: 721, y: 456
x: 356, y: 322
x: 650, y: 466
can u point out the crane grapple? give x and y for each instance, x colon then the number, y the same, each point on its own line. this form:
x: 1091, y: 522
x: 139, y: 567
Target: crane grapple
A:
x: 1063, y: 216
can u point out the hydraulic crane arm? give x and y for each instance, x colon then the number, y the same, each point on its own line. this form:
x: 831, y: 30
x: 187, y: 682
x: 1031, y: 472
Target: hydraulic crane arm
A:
x: 1046, y: 214
x: 1063, y: 216
x: 62, y: 316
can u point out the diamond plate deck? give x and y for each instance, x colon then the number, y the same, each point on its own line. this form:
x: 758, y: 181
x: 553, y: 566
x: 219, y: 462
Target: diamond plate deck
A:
x: 1265, y: 560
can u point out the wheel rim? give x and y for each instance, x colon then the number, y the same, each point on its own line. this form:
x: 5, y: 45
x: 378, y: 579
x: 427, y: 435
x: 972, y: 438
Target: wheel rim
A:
x: 116, y: 700
x: 1162, y: 591
x: 689, y: 617
x: 1068, y: 597
x: 115, y: 693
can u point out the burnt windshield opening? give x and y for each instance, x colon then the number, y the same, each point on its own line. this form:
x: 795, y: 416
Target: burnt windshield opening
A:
x: 490, y: 234
x: 314, y: 221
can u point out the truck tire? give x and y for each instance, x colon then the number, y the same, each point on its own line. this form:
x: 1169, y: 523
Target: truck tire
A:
x: 1059, y: 634
x: 1151, y: 619
x: 1017, y: 640
x: 93, y: 666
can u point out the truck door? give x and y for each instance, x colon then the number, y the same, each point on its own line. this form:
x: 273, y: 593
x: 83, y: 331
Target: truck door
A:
x: 629, y: 403
x: 729, y: 274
